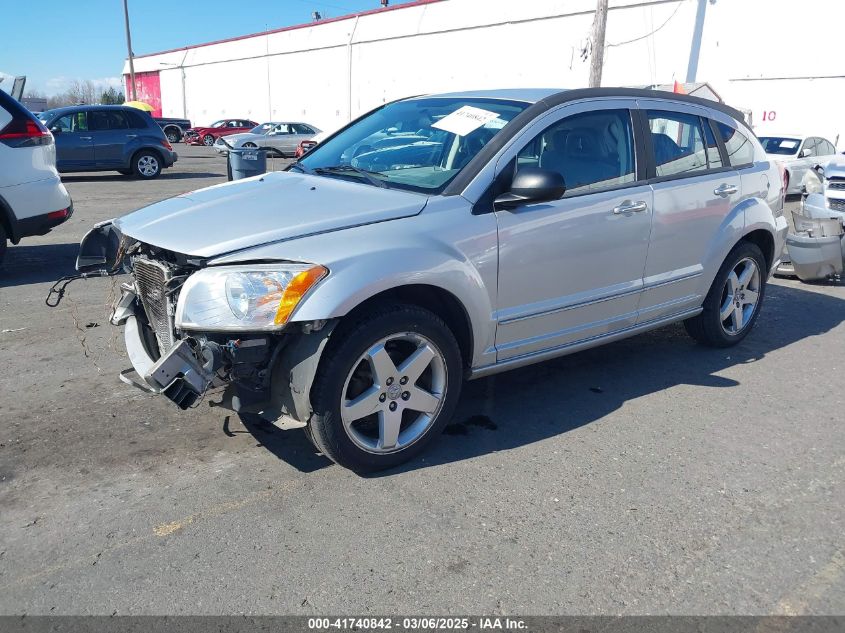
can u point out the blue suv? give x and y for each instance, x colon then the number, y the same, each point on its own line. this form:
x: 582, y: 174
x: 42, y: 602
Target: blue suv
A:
x: 102, y: 138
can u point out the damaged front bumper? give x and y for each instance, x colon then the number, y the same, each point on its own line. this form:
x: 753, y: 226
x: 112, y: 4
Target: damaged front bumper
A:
x: 183, y: 374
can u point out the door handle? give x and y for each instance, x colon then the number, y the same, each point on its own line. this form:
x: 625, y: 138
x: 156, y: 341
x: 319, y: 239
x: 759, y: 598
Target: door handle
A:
x: 630, y: 207
x: 725, y: 190
x: 84, y: 138
x: 131, y: 136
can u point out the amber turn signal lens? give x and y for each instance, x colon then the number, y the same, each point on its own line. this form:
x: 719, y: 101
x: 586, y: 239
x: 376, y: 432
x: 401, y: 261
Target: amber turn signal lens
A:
x: 295, y: 290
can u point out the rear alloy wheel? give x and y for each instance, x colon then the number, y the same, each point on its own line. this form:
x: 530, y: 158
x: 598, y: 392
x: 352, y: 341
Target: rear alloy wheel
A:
x: 147, y: 165
x: 172, y: 135
x: 208, y: 140
x: 386, y: 389
x: 733, y: 303
x: 250, y: 145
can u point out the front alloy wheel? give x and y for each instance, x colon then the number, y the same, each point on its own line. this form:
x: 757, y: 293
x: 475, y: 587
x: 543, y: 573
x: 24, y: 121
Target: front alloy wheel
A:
x: 387, y: 384
x: 394, y: 393
x: 208, y: 140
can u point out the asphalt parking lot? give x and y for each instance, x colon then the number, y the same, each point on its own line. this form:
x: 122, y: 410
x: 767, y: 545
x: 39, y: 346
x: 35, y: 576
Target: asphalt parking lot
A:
x: 649, y: 476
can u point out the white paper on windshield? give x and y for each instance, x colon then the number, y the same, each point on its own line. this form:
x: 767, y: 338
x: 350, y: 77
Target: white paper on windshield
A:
x: 465, y: 120
x: 788, y: 144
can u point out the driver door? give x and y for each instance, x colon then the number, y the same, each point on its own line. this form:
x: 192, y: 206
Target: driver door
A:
x: 572, y: 269
x: 74, y: 143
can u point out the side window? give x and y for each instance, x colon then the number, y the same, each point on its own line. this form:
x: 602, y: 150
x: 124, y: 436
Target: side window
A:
x: 740, y: 149
x: 282, y: 128
x: 299, y: 128
x: 592, y: 151
x: 103, y: 120
x: 64, y: 123
x: 136, y: 121
x: 678, y: 143
x: 827, y: 148
x: 714, y: 159
x: 810, y: 146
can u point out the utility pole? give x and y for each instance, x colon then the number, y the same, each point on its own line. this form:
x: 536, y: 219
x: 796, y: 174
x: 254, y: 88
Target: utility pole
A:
x: 599, y: 28
x: 129, y: 49
x: 695, y: 46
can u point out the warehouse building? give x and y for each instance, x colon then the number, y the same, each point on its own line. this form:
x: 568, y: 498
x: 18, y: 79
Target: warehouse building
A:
x: 775, y: 59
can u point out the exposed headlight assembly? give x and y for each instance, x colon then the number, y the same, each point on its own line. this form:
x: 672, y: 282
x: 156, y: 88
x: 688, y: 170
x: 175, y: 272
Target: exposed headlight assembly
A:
x: 260, y: 297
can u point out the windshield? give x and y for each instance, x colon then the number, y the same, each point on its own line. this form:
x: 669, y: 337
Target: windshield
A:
x: 218, y: 123
x: 780, y: 144
x: 263, y: 128
x: 418, y: 144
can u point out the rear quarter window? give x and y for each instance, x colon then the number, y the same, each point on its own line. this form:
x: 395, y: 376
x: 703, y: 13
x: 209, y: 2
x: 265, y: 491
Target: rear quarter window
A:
x: 739, y: 147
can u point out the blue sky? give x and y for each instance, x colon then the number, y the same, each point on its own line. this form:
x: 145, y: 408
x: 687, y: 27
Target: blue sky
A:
x: 85, y: 39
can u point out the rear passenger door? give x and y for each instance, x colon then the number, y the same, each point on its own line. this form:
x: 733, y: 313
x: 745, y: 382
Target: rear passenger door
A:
x: 695, y: 193
x: 571, y: 269
x: 110, y: 130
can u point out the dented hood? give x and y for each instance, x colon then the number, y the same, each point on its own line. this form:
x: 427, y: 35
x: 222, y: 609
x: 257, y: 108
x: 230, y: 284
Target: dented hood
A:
x: 270, y: 208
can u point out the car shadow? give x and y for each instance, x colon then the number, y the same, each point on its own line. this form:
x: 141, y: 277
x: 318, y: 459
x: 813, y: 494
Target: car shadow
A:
x: 33, y: 264
x: 165, y: 175
x: 528, y: 405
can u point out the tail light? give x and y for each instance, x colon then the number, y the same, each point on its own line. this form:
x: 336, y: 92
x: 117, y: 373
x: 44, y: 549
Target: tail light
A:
x: 24, y: 131
x: 61, y: 214
x: 166, y: 144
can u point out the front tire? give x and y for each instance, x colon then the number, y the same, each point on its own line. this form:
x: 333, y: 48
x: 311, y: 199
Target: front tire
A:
x: 733, y: 303
x: 208, y: 140
x: 387, y: 384
x: 146, y: 165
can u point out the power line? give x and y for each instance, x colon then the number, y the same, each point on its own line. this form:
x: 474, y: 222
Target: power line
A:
x: 642, y: 37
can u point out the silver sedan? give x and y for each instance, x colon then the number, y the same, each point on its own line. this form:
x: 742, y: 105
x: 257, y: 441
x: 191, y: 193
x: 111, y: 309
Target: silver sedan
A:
x: 280, y: 138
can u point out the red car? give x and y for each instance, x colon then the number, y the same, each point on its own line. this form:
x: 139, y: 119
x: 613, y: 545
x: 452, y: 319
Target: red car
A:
x: 207, y: 135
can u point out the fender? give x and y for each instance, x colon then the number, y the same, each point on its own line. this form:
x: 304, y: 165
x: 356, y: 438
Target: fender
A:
x: 9, y: 221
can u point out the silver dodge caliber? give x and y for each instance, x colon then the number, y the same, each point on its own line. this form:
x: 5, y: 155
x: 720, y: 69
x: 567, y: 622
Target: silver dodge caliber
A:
x: 443, y: 238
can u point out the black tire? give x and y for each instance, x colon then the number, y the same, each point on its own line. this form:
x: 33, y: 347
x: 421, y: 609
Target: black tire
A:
x: 208, y: 140
x: 708, y: 327
x: 342, y: 355
x: 173, y: 134
x: 146, y: 165
x: 4, y: 243
x: 250, y: 145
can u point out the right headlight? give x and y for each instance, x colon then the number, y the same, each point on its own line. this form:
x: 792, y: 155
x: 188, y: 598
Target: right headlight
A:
x: 260, y: 297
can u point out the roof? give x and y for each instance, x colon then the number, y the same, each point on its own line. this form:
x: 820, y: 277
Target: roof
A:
x: 88, y: 106
x: 525, y: 95
x: 406, y: 5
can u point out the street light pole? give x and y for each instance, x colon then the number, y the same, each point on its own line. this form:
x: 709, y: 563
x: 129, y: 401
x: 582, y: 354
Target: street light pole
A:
x: 129, y: 50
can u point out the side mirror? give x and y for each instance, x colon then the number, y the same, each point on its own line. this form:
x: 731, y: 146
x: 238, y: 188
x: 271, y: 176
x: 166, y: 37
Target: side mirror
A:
x: 532, y: 184
x: 804, y: 153
x: 56, y: 129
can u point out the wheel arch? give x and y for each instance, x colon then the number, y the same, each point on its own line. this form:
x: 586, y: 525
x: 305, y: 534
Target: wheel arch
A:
x: 173, y: 126
x: 146, y: 148
x: 8, y: 221
x: 434, y: 299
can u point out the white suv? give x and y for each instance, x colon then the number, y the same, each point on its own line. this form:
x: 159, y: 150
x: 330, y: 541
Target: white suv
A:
x: 32, y: 197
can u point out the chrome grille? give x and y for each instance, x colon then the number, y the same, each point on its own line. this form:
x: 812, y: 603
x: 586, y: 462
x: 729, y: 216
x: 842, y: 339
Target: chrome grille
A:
x: 836, y: 183
x: 150, y: 279
x: 836, y: 204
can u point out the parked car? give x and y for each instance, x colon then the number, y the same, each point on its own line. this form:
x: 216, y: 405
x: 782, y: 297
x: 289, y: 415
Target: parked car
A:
x: 33, y: 199
x: 207, y: 135
x: 798, y: 154
x: 352, y: 295
x: 815, y: 248
x: 280, y: 139
x: 174, y: 129
x: 109, y: 138
x: 307, y: 145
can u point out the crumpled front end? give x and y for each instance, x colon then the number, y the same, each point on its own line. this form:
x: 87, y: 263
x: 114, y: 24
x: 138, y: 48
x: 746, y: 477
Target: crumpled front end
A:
x: 254, y: 370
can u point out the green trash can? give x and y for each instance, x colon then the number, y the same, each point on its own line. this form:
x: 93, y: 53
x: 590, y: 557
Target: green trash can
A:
x: 244, y: 163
